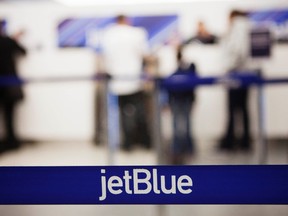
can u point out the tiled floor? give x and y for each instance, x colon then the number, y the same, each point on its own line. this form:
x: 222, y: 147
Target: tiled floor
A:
x: 84, y: 153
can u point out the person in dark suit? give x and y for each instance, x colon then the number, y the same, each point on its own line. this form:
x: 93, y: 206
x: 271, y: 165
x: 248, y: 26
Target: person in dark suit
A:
x: 10, y: 90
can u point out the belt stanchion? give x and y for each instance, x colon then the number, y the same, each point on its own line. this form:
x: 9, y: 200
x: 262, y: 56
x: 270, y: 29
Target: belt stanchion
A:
x: 108, y: 113
x: 157, y: 132
x: 113, y: 127
x: 157, y: 135
x: 263, y: 156
x: 111, y: 118
x: 234, y: 184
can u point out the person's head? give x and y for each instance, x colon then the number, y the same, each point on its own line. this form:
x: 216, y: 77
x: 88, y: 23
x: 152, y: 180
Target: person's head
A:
x: 122, y: 19
x: 201, y: 25
x: 237, y: 13
x: 201, y: 28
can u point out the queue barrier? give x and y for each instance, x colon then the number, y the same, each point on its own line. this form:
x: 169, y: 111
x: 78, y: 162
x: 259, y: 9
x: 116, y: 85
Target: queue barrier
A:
x: 233, y: 80
x: 177, y: 82
x: 246, y: 78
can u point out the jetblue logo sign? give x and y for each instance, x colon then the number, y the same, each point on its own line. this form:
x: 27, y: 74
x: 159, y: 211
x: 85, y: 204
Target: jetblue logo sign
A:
x: 143, y: 181
x: 239, y: 184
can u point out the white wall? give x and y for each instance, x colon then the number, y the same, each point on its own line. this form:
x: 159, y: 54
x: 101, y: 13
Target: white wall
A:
x: 65, y: 111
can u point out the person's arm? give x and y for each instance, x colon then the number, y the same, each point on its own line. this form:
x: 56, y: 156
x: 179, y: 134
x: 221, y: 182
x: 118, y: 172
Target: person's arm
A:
x: 19, y: 49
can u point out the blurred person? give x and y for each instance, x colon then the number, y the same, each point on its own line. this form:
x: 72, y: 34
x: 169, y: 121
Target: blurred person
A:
x: 124, y: 49
x: 202, y: 36
x: 181, y: 103
x: 237, y: 58
x: 10, y: 94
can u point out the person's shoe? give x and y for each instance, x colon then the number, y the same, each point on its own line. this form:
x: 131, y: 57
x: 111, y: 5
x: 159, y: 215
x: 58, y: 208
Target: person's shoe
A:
x: 9, y: 145
x: 2, y: 149
x: 147, y: 146
x: 224, y: 145
x: 126, y: 148
x: 245, y: 144
x: 177, y: 160
x: 245, y: 148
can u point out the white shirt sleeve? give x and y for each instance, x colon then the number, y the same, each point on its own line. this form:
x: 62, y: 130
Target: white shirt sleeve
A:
x: 143, y: 43
x: 237, y: 45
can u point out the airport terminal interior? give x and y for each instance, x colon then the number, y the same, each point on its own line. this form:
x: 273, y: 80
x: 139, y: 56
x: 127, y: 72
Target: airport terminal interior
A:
x: 68, y: 114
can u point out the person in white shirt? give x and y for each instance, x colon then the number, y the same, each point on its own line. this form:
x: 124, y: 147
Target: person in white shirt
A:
x: 237, y: 61
x: 124, y: 50
x: 236, y: 44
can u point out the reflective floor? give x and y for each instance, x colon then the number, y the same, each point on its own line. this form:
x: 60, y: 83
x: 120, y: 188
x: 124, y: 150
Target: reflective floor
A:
x: 85, y: 153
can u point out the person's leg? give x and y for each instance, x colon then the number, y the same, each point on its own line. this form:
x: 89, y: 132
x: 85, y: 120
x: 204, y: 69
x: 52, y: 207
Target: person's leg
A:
x: 10, y: 136
x: 245, y: 141
x: 122, y: 103
x: 9, y: 120
x: 182, y: 142
x: 127, y: 115
x: 228, y: 141
x: 142, y: 131
x: 178, y: 124
x: 100, y: 112
x: 187, y: 145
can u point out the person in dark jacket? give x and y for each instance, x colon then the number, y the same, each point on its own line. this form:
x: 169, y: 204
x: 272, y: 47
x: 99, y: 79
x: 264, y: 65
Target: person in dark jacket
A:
x: 10, y: 90
x: 181, y: 102
x: 203, y: 36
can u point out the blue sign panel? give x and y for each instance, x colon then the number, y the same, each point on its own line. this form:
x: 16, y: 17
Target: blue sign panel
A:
x: 78, y: 32
x: 145, y: 185
x: 261, y: 43
x: 276, y: 20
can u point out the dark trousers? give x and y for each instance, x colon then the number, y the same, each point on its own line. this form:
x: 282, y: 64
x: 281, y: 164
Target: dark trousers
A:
x: 8, y: 109
x: 182, y: 141
x: 237, y: 110
x: 134, y: 120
